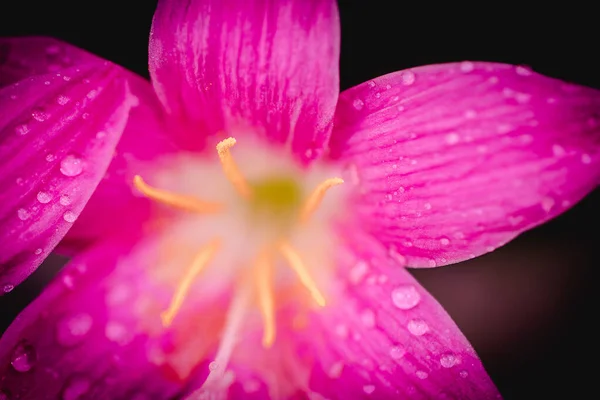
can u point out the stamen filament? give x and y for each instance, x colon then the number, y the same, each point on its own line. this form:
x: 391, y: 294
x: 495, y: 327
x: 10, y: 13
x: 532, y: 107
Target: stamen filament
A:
x: 264, y: 286
x: 187, y: 203
x: 204, y: 256
x: 297, y: 265
x: 231, y: 169
x: 316, y: 197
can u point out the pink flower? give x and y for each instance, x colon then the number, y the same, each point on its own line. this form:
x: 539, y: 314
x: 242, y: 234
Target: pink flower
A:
x: 219, y: 255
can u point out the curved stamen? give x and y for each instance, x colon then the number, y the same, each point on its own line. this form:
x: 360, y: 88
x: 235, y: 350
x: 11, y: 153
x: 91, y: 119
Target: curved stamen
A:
x: 264, y: 287
x: 231, y: 169
x: 204, y: 256
x: 316, y: 197
x: 187, y: 203
x: 295, y: 262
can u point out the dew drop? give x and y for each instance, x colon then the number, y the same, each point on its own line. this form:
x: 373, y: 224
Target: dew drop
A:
x: 405, y: 297
x: 417, y: 327
x: 70, y: 216
x: 422, y: 374
x: 23, y: 214
x: 69, y: 281
x: 213, y: 365
x: 65, y: 200
x: 71, y: 330
x: 358, y: 104
x: 449, y: 360
x: 368, y: 389
x: 62, y: 100
x: 408, y: 78
x: 335, y: 371
x: 100, y: 134
x: 586, y: 159
x: 115, y: 332
x: 397, y: 352
x: 558, y: 150
x: 547, y: 203
x: 76, y: 388
x: 39, y: 115
x: 22, y: 129
x: 372, y: 84
x: 452, y: 138
x: 8, y: 288
x: 523, y: 71
x: 431, y: 263
x: 427, y: 206
x: 463, y: 374
x: 71, y: 166
x: 43, y: 197
x: 368, y: 318
x: 50, y: 157
x: 444, y: 241
x: 467, y: 66
x: 358, y: 272
x: 23, y: 357
x: 92, y: 94
x: 38, y: 251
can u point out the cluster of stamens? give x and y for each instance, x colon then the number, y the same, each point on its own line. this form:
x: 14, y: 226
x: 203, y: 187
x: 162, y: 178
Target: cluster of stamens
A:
x: 263, y: 266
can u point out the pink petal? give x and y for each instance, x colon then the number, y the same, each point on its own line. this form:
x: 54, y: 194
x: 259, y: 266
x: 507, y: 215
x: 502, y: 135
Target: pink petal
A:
x: 236, y: 66
x: 114, y: 204
x: 455, y: 160
x: 24, y: 57
x: 383, y: 336
x: 53, y: 158
x: 73, y: 342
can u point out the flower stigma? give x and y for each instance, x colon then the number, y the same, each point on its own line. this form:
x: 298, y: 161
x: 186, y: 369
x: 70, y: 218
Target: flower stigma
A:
x: 277, y: 201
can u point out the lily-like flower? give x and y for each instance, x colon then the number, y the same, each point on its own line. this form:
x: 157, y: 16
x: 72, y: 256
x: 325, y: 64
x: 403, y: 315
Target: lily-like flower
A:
x: 246, y: 229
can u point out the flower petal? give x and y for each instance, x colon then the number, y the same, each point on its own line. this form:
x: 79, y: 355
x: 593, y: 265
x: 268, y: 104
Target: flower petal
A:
x: 455, y: 160
x: 74, y: 342
x: 143, y: 141
x: 53, y: 158
x: 233, y: 66
x: 23, y: 57
x: 383, y: 336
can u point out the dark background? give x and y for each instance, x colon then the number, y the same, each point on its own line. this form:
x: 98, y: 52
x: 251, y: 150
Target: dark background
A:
x: 527, y: 308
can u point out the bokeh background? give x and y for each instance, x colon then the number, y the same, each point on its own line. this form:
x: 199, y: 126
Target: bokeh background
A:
x: 528, y: 308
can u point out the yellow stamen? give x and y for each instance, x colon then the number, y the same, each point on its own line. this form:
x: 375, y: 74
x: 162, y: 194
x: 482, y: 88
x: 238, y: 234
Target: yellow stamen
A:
x: 315, y: 198
x: 264, y: 286
x: 231, y: 169
x: 204, y: 256
x: 295, y: 262
x: 187, y: 203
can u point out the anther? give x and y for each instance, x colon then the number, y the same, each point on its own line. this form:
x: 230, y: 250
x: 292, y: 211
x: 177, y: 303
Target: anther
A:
x: 187, y: 203
x: 204, y: 256
x: 297, y: 265
x: 231, y: 169
x: 316, y: 197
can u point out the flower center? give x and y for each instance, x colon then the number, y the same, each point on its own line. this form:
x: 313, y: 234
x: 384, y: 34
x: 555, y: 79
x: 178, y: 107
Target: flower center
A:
x: 276, y: 200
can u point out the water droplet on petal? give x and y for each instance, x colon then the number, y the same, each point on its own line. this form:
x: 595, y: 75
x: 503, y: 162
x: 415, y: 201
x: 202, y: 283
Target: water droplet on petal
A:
x: 43, y: 197
x: 8, y: 288
x: 71, y: 166
x: 422, y: 374
x: 397, y: 352
x: 70, y: 216
x: 71, y: 330
x: 405, y: 297
x: 358, y: 104
x: 65, y: 200
x: 523, y: 70
x: 50, y: 157
x: 358, y: 272
x: 213, y: 365
x: 444, y: 241
x: 22, y: 129
x: 547, y: 204
x: 62, y: 100
x: 408, y: 78
x: 452, y: 138
x: 431, y: 263
x: 368, y: 389
x: 371, y: 84
x: 467, y: 66
x: 39, y: 115
x: 23, y: 214
x: 368, y: 318
x: 116, y: 332
x: 335, y: 371
x: 449, y: 360
x: 23, y: 357
x: 38, y: 251
x: 558, y: 150
x: 586, y: 159
x: 417, y: 327
x: 76, y: 388
x: 463, y: 374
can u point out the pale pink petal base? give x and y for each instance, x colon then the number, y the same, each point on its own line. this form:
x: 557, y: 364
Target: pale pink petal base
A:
x: 452, y: 161
x: 81, y: 339
x: 58, y: 134
x: 235, y: 67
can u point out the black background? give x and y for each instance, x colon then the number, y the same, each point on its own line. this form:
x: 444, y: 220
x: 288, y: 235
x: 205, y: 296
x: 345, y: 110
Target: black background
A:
x: 529, y: 307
